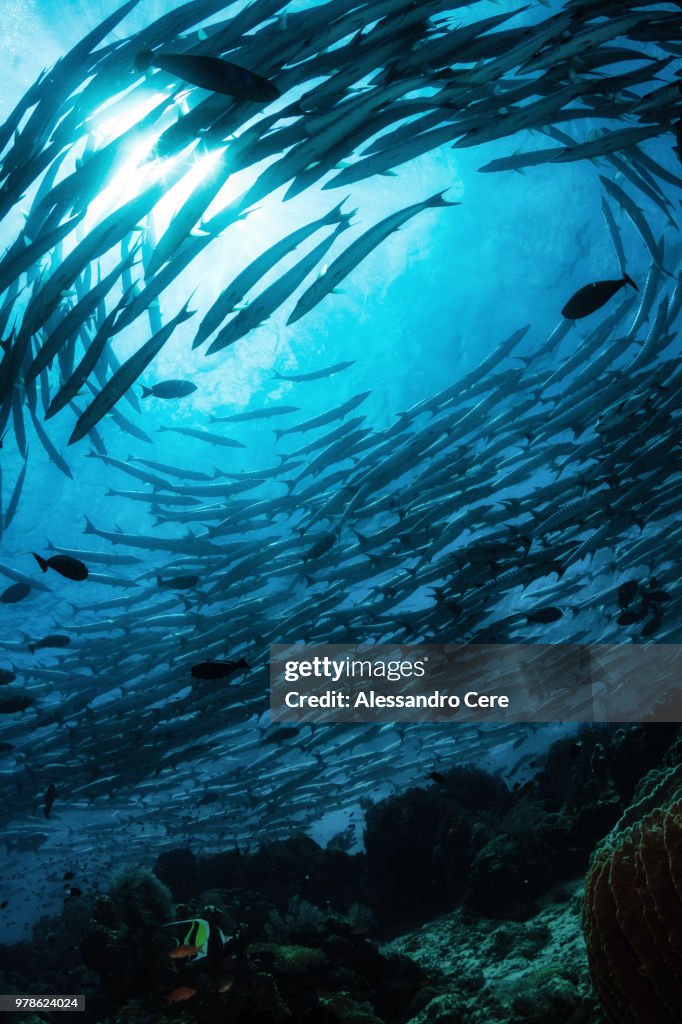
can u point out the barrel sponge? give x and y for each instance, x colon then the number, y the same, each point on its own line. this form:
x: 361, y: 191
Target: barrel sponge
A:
x: 632, y: 909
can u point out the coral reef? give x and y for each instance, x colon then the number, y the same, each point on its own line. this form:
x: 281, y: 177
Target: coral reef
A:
x: 529, y: 972
x: 124, y: 943
x: 463, y: 910
x: 468, y: 840
x: 633, y: 907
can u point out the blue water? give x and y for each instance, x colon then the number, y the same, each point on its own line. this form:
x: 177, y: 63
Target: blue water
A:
x: 421, y: 311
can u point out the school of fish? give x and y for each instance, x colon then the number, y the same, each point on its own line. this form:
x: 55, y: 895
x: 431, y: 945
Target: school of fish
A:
x: 534, y: 499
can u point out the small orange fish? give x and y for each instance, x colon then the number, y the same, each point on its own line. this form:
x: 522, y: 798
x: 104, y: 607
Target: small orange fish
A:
x: 183, y: 952
x: 181, y: 995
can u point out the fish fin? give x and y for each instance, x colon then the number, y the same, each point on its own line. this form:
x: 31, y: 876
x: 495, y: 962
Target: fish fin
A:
x: 146, y: 392
x: 628, y: 280
x: 41, y: 562
x: 439, y: 200
x: 89, y: 528
x: 336, y: 214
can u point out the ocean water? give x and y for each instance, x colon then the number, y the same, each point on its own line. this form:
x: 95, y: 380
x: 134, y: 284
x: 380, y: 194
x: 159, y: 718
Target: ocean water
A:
x: 141, y: 761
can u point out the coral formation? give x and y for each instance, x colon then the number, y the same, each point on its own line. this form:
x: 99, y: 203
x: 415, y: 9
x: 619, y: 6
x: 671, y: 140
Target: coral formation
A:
x: 463, y: 910
x: 633, y: 907
x: 525, y: 972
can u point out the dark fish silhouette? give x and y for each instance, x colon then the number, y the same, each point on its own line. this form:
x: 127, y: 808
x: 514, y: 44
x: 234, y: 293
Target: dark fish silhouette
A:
x: 7, y: 676
x: 217, y: 669
x: 593, y: 296
x: 17, y: 592
x: 65, y: 565
x: 630, y: 616
x: 213, y: 74
x: 178, y: 582
x: 543, y: 616
x: 12, y: 705
x: 285, y: 732
x: 626, y: 593
x: 50, y: 796
x: 170, y: 389
x: 51, y: 640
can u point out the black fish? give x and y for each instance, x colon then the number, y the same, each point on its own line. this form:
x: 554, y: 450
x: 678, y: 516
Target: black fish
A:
x: 285, y: 732
x: 14, y: 704
x: 178, y: 582
x: 321, y: 546
x: 51, y: 640
x: 73, y: 891
x: 629, y: 618
x: 626, y: 593
x: 217, y: 669
x: 437, y: 777
x: 3, y: 904
x: 6, y: 676
x: 169, y: 389
x: 17, y: 592
x: 652, y: 625
x: 65, y: 565
x: 50, y: 795
x: 543, y: 616
x: 211, y: 73
x: 593, y: 296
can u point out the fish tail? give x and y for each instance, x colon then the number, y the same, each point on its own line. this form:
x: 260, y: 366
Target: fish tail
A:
x: 32, y: 648
x: 335, y: 215
x: 278, y: 434
x: 439, y: 200
x: 89, y: 528
x: 41, y: 562
x: 146, y: 392
x: 628, y: 280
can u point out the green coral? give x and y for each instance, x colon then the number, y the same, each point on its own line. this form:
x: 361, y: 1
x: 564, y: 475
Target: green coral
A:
x: 301, y: 918
x: 139, y: 899
x: 288, y: 959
